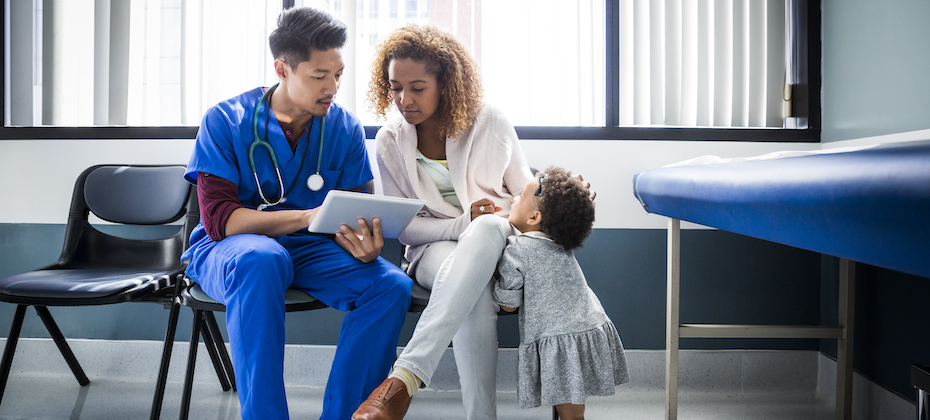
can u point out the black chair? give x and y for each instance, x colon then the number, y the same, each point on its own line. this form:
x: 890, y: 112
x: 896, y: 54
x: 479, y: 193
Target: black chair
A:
x: 205, y: 326
x: 96, y: 268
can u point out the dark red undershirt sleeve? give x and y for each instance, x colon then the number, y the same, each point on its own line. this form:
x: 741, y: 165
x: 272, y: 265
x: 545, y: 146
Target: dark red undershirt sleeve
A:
x: 218, y: 198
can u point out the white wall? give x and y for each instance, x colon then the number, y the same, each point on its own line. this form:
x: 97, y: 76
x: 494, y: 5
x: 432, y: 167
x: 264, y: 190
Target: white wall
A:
x: 37, y: 176
x: 875, y: 64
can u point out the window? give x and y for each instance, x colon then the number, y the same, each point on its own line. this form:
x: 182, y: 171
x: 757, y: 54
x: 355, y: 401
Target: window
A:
x: 140, y: 63
x: 516, y: 55
x: 586, y: 69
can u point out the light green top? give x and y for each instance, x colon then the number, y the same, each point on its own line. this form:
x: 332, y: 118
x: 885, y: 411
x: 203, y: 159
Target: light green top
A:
x: 438, y: 171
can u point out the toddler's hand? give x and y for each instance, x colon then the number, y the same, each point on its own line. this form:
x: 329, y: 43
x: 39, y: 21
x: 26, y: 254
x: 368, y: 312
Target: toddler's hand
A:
x: 587, y: 186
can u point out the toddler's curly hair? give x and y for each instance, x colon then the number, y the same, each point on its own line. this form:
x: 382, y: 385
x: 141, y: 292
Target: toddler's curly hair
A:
x: 447, y: 59
x: 566, y: 207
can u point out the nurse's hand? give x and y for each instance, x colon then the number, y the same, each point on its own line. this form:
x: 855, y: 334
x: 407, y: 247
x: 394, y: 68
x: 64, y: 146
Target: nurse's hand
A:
x: 364, y: 244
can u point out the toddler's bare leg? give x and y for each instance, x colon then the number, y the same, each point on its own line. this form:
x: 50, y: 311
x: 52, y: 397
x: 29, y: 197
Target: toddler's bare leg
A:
x: 570, y: 411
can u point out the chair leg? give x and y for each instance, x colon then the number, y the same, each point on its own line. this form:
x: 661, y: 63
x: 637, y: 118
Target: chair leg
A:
x: 191, y: 364
x: 221, y: 347
x: 11, y: 342
x: 52, y: 328
x: 211, y: 345
x: 155, y: 413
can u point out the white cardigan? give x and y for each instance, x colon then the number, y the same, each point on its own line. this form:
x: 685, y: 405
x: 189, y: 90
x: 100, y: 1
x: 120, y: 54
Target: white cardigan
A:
x: 485, y: 162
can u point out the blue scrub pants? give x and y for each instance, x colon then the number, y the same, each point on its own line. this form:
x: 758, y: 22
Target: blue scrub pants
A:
x: 249, y: 274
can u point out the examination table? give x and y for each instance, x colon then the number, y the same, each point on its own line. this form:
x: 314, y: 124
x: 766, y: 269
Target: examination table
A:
x: 867, y: 204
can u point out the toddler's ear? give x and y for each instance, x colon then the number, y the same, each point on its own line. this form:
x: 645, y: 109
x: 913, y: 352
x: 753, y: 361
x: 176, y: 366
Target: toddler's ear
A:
x: 535, y: 219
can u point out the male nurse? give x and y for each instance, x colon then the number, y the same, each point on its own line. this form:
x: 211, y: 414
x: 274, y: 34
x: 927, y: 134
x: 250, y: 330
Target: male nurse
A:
x: 252, y: 243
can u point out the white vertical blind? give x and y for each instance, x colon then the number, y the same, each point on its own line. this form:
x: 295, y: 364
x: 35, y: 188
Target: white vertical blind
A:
x: 542, y: 61
x: 67, y: 97
x: 116, y: 88
x: 21, y: 68
x: 370, y: 21
x: 722, y: 64
x: 701, y: 63
x: 776, y: 64
x: 225, y: 52
x: 101, y: 62
x: 134, y: 62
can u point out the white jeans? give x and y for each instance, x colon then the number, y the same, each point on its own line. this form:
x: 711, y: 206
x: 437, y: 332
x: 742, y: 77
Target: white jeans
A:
x: 461, y: 310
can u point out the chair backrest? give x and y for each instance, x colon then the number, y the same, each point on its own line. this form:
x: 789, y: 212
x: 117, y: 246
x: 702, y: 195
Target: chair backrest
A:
x: 129, y: 195
x: 136, y: 195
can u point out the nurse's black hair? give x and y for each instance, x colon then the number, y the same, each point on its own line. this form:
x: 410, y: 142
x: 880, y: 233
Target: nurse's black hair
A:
x: 566, y: 207
x: 301, y: 29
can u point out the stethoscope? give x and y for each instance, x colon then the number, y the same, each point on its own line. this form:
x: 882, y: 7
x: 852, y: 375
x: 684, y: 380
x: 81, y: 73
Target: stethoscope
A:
x: 315, y: 182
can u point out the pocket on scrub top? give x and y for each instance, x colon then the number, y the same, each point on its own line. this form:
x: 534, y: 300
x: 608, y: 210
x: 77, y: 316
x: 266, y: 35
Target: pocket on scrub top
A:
x: 331, y: 178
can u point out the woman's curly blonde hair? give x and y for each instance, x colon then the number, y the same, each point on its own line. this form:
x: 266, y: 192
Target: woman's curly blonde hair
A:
x: 447, y: 59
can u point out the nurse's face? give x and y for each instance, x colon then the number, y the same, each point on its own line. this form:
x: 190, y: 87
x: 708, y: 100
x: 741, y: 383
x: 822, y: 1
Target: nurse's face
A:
x: 415, y: 91
x: 312, y: 85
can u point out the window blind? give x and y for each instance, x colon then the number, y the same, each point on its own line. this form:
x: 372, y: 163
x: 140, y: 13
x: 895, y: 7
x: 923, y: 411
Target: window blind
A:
x: 702, y: 63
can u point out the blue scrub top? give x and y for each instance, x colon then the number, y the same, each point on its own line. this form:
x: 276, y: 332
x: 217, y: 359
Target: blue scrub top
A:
x: 222, y: 147
x: 223, y: 143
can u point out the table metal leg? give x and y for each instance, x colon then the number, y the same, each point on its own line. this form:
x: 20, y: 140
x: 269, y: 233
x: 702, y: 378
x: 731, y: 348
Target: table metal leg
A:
x: 843, y: 332
x: 672, y: 321
x: 844, y: 345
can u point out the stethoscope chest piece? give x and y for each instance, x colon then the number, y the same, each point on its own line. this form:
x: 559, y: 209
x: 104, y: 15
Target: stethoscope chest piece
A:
x: 315, y: 182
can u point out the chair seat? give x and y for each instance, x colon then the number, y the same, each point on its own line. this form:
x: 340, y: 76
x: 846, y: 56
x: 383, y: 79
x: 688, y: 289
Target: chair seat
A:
x: 291, y: 297
x: 419, y: 297
x: 76, y: 284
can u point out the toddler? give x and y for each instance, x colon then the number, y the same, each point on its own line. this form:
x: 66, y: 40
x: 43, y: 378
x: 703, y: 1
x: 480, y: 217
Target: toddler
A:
x: 569, y: 348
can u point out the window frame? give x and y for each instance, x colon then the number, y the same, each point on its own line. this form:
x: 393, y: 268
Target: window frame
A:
x: 809, y: 9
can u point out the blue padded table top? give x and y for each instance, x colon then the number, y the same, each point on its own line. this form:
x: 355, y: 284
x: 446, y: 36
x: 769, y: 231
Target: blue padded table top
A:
x: 870, y: 205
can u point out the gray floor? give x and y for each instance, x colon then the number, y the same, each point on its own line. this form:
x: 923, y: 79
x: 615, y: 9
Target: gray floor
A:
x: 59, y: 397
x: 715, y: 385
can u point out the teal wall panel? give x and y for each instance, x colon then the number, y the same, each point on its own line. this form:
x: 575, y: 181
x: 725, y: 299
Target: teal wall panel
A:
x: 725, y: 278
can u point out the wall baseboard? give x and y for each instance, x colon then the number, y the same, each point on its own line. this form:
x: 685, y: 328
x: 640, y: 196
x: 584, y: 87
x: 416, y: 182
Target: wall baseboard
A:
x: 870, y: 400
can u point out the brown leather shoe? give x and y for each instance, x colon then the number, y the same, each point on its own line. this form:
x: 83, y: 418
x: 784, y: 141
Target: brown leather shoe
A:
x: 389, y: 401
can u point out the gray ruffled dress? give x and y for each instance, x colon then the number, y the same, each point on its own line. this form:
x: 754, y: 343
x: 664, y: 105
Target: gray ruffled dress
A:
x: 569, y: 348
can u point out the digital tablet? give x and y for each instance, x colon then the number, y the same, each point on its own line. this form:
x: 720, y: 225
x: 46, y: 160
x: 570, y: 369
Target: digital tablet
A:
x: 346, y: 207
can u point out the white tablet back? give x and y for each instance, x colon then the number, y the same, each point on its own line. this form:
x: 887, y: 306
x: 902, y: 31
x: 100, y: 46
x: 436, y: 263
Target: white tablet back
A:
x: 346, y: 207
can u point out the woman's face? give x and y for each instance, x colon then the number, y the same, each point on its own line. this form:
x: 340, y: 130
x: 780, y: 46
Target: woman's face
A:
x: 415, y: 91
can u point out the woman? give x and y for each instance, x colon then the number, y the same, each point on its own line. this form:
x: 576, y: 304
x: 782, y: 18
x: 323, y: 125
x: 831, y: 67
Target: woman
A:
x: 464, y: 160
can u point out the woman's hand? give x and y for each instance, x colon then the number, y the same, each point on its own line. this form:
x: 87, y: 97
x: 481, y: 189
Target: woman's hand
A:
x: 365, y: 245
x: 483, y: 206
